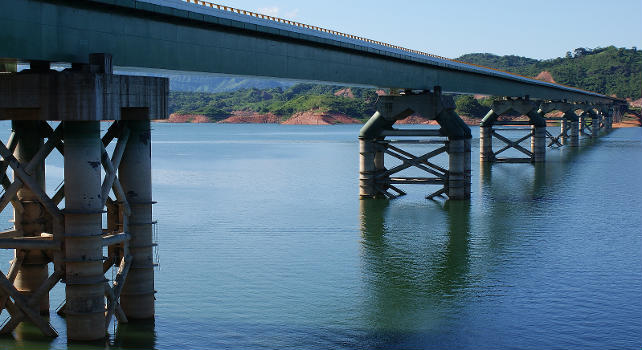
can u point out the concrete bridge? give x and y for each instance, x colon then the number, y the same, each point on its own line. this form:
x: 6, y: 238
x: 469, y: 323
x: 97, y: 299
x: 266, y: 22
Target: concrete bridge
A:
x: 95, y: 36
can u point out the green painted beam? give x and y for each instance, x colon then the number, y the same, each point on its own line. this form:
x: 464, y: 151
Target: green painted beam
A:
x: 143, y: 35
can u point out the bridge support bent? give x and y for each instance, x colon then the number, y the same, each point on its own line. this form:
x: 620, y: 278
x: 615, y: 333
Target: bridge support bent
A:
x: 452, y: 139
x: 73, y: 237
x: 536, y: 127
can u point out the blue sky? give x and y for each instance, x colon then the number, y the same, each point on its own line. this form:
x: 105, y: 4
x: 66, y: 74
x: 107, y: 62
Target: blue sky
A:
x: 536, y: 29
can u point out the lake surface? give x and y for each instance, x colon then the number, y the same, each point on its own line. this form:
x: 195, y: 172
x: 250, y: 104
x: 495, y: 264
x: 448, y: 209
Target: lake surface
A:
x: 264, y: 244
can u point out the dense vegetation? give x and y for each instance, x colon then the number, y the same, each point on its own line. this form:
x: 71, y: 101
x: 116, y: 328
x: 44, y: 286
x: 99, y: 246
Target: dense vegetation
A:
x: 279, y: 101
x: 610, y: 70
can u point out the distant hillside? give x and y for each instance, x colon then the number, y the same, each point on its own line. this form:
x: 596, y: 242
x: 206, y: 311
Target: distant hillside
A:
x: 608, y: 70
x: 280, y: 102
x: 220, y: 84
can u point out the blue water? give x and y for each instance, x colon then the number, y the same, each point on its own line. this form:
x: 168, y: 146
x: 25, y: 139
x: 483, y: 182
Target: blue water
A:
x: 264, y: 244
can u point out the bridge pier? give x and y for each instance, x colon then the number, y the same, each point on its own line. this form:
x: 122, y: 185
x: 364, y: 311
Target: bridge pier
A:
x: 582, y: 124
x: 135, y: 174
x: 536, y: 127
x: 457, y: 181
x: 73, y: 238
x: 453, y: 139
x: 486, y: 144
x: 564, y: 125
x: 538, y: 143
x: 84, y: 278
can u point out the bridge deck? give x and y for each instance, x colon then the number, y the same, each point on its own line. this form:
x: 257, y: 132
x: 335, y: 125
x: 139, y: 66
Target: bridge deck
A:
x: 179, y: 36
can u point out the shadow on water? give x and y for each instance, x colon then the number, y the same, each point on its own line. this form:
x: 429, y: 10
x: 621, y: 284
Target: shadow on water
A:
x: 414, y: 277
x: 135, y: 335
x: 26, y: 336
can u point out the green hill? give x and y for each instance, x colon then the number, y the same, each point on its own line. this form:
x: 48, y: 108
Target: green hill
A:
x: 278, y: 101
x: 608, y: 70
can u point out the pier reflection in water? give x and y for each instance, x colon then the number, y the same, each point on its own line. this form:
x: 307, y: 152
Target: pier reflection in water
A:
x: 414, y: 273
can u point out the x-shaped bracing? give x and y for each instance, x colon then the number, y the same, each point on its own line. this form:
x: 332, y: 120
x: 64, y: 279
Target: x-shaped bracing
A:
x: 555, y: 140
x: 20, y: 307
x: 112, y: 292
x: 383, y: 181
x: 513, y: 144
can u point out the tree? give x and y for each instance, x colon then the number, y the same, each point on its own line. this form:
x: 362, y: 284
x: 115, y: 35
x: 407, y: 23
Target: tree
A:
x: 469, y: 106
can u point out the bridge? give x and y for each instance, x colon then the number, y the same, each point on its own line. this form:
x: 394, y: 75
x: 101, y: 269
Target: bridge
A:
x: 94, y: 37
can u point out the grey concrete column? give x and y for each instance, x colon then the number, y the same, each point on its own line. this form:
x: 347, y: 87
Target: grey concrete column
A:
x: 563, y: 131
x: 456, y: 169
x: 595, y: 126
x: 135, y: 175
x: 538, y: 143
x: 574, y: 137
x: 467, y: 167
x: 581, y: 124
x: 367, y: 168
x: 85, y: 310
x: 486, y: 144
x: 32, y: 221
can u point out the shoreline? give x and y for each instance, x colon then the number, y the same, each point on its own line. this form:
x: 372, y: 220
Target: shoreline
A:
x: 323, y: 118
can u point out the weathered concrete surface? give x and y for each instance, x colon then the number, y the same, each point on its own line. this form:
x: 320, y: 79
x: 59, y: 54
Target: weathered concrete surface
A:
x: 81, y: 96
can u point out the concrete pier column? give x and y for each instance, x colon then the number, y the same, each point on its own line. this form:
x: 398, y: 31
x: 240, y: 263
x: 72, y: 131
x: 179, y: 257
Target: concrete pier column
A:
x: 85, y: 310
x: 456, y: 169
x: 538, y: 143
x: 467, y: 167
x: 135, y: 174
x: 367, y: 168
x: 32, y: 221
x: 595, y: 125
x: 581, y: 124
x: 486, y: 144
x: 563, y: 131
x: 574, y: 137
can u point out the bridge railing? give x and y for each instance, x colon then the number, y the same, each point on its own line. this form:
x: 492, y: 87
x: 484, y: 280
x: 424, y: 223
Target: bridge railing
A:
x: 307, y: 26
